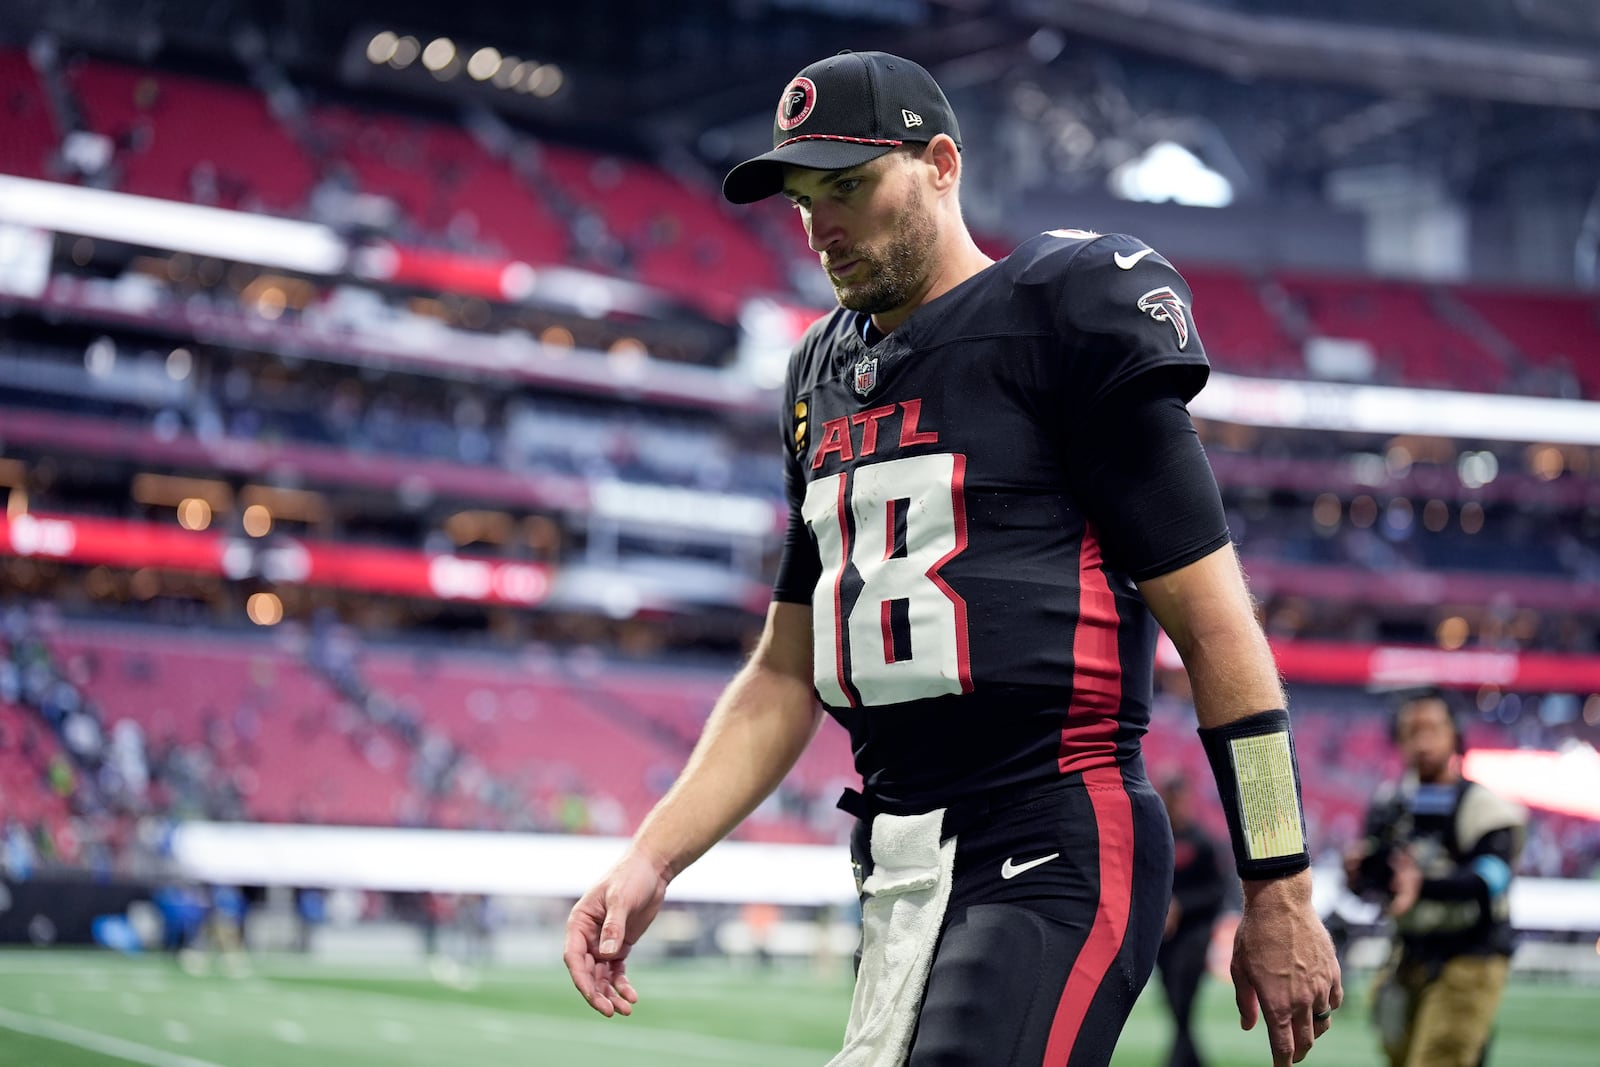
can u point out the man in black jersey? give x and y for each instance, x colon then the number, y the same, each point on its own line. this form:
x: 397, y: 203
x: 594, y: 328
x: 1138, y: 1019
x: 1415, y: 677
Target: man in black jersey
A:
x: 1200, y: 887
x: 1439, y: 849
x: 996, y: 492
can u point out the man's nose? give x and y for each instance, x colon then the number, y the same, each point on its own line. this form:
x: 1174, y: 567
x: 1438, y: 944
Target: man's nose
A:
x: 826, y: 229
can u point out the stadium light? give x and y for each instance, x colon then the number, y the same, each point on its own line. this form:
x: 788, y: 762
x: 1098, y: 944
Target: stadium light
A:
x: 546, y: 80
x: 1168, y: 171
x: 194, y: 514
x: 406, y: 51
x: 440, y: 53
x: 483, y: 65
x: 505, y: 74
x: 180, y: 362
x: 518, y: 78
x: 264, y: 609
x: 381, y: 48
x: 257, y: 520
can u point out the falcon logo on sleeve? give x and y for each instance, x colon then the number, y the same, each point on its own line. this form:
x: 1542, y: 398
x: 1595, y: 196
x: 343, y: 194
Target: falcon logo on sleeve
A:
x: 1164, y: 305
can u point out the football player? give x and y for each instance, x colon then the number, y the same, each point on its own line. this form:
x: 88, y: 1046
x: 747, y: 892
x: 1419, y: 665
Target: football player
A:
x: 996, y: 493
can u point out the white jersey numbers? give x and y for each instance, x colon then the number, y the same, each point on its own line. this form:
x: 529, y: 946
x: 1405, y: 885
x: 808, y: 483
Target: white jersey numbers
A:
x: 906, y: 632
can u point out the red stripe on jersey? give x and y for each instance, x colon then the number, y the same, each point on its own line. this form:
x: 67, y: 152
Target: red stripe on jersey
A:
x: 838, y: 596
x: 1089, y: 736
x: 888, y: 535
x: 1113, y: 816
x: 888, y: 631
x: 958, y: 505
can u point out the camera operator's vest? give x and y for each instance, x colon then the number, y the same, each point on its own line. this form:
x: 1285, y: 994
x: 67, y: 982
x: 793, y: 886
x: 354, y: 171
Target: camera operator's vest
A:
x: 1442, y: 837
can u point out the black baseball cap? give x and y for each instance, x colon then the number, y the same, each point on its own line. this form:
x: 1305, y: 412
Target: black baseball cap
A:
x: 841, y: 112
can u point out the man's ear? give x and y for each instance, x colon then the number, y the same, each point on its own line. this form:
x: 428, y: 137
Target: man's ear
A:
x: 944, y: 157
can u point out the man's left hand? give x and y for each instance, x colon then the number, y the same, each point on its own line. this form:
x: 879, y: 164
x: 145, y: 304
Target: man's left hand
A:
x: 1284, y: 967
x: 1406, y: 885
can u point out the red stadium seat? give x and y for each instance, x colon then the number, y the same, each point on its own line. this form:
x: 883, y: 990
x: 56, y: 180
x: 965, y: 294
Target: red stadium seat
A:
x: 1552, y: 330
x: 166, y: 125
x: 1414, y: 345
x: 29, y: 139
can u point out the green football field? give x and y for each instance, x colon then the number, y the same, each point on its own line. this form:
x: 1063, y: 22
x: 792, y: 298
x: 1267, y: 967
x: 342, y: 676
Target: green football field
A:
x: 77, y: 1009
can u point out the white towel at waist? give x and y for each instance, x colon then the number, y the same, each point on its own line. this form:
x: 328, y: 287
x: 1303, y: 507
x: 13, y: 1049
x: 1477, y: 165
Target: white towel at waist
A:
x: 908, y: 891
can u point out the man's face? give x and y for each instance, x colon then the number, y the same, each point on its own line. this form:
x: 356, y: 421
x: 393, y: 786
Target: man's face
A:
x: 870, y: 226
x: 1427, y: 736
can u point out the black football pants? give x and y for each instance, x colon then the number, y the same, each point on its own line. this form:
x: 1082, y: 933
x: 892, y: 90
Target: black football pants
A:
x: 1054, y: 920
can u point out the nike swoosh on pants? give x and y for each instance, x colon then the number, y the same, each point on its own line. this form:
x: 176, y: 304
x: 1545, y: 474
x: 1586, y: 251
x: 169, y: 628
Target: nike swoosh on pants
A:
x: 1009, y: 870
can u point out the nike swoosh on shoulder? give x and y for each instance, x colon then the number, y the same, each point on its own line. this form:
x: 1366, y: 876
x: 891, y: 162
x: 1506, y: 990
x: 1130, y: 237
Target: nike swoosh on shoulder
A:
x: 1127, y: 262
x: 1009, y: 869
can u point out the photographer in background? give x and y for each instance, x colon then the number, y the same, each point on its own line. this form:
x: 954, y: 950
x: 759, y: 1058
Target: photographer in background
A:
x: 1439, y: 849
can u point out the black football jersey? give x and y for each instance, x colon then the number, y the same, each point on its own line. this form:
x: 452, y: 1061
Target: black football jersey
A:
x: 971, y: 631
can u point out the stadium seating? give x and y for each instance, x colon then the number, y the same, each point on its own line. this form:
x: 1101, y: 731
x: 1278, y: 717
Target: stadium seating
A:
x: 1414, y: 345
x: 165, y: 126
x: 26, y: 748
x: 440, y: 177
x: 262, y: 715
x: 1239, y: 333
x: 272, y: 727
x: 678, y: 237
x: 29, y: 141
x: 1552, y: 330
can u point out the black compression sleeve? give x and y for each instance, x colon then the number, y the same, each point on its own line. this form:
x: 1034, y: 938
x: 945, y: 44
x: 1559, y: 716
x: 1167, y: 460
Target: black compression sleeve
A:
x: 1145, y: 482
x: 800, y: 566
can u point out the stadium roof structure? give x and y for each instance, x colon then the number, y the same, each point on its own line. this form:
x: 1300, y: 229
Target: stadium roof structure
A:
x: 1491, y: 94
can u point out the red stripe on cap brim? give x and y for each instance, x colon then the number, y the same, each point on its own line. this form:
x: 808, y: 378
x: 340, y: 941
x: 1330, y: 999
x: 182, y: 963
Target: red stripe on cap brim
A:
x: 838, y: 137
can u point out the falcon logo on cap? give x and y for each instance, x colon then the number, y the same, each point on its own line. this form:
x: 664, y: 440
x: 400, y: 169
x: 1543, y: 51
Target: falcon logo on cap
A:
x: 1164, y: 305
x: 796, y: 103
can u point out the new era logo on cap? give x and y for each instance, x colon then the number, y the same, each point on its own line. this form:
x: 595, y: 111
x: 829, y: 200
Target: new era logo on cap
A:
x: 841, y: 112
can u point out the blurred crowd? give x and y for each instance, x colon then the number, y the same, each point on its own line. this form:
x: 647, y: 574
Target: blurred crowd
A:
x: 121, y: 778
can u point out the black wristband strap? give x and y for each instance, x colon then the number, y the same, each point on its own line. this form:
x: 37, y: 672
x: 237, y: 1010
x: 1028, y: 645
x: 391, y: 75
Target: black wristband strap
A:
x: 1259, y: 782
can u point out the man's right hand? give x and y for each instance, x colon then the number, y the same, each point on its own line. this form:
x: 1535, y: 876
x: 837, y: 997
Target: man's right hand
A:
x: 603, y: 927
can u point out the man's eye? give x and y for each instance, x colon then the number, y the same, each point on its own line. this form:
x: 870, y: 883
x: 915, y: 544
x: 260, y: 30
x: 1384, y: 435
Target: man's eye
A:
x: 849, y: 185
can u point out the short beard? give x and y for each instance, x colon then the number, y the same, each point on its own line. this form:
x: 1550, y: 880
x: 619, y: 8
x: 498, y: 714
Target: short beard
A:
x: 901, y: 267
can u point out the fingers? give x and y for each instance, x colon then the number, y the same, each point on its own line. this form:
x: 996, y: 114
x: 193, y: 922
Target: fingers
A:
x: 1302, y: 1030
x: 611, y: 999
x: 580, y: 964
x: 1244, y: 995
x: 612, y: 929
x: 594, y: 978
x: 611, y: 936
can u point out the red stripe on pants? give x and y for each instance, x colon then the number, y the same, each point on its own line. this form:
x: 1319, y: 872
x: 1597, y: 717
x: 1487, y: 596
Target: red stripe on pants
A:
x: 1113, y: 814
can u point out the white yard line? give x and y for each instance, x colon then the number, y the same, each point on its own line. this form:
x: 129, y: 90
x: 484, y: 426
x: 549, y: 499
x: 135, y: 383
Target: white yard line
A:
x: 131, y: 1051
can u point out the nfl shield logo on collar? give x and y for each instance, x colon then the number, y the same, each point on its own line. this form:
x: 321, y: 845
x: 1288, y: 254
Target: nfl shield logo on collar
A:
x: 865, y: 377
